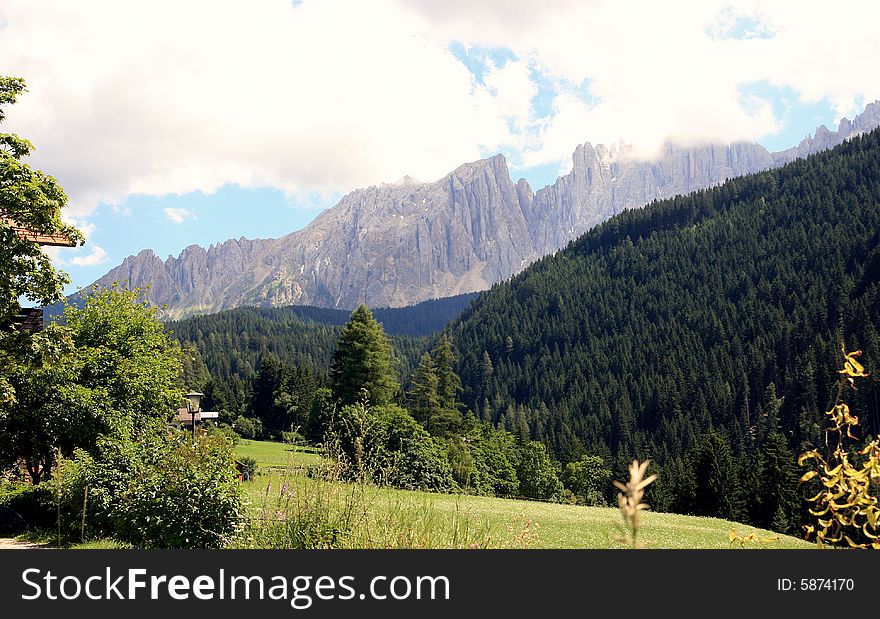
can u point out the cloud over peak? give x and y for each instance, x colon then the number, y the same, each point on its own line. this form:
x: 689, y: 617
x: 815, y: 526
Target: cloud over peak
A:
x: 328, y: 95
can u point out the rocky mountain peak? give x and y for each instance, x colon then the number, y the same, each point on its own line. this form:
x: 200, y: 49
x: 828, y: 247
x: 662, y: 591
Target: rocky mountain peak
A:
x: 400, y: 243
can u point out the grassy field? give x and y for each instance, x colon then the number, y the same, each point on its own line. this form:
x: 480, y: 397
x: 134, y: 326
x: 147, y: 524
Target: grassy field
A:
x: 386, y: 517
x: 276, y: 455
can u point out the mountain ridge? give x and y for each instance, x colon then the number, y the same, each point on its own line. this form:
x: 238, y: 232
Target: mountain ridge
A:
x: 396, y: 244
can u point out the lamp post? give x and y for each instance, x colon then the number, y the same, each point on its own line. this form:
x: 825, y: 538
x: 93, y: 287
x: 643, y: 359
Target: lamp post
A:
x: 193, y: 401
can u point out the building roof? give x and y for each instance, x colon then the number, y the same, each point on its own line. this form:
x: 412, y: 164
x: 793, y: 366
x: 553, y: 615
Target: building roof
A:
x: 57, y: 240
x: 184, y: 416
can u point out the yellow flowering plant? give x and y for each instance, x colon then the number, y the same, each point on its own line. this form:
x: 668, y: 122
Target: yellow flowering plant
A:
x: 845, y: 508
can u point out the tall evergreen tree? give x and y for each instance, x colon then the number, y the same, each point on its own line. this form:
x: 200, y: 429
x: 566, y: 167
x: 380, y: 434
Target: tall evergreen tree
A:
x: 777, y: 495
x: 715, y: 472
x: 269, y: 381
x: 363, y: 363
x: 423, y: 401
x: 448, y: 382
x: 426, y: 405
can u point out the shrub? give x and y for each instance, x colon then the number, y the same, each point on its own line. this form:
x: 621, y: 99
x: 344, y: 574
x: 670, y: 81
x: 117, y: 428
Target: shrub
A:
x: 165, y: 492
x: 226, y: 432
x: 384, y: 444
x: 248, y: 467
x: 293, y: 437
x: 35, y: 505
x: 248, y: 427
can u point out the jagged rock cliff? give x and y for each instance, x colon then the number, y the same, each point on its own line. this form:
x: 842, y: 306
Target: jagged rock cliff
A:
x: 400, y: 243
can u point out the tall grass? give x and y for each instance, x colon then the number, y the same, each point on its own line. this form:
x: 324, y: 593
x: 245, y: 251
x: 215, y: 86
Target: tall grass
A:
x: 315, y: 507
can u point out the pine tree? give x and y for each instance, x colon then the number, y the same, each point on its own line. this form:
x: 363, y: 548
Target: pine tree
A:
x: 777, y: 496
x: 486, y: 369
x: 363, y: 363
x: 423, y: 401
x: 448, y: 382
x: 268, y: 382
x: 715, y: 471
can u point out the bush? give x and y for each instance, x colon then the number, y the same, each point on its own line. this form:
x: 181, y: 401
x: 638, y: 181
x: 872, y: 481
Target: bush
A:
x: 247, y: 467
x: 35, y: 505
x: 293, y: 437
x: 384, y: 444
x: 226, y: 432
x: 165, y: 492
x: 248, y: 427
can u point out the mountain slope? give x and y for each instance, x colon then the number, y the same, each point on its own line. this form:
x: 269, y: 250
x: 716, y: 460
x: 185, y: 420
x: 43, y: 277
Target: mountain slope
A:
x: 398, y: 244
x: 723, y: 309
x: 231, y: 343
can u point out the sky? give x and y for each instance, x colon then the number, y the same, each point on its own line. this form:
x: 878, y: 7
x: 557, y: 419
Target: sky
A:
x: 170, y: 123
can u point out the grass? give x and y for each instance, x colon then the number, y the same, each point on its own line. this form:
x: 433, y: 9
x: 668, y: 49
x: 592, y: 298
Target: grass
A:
x: 49, y: 539
x: 273, y: 455
x: 390, y: 518
x: 549, y: 525
x: 101, y: 544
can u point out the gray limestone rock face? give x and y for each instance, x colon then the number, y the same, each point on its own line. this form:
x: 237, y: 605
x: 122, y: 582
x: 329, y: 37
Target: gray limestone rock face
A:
x: 824, y: 138
x: 399, y: 243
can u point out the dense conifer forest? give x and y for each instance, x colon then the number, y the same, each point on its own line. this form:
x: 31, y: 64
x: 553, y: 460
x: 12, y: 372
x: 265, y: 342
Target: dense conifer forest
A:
x: 703, y: 332
x: 228, y: 349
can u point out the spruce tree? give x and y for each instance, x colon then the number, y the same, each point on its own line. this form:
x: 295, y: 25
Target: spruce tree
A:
x: 423, y: 401
x: 363, y: 363
x: 267, y: 384
x: 777, y: 496
x: 715, y: 472
x: 448, y: 382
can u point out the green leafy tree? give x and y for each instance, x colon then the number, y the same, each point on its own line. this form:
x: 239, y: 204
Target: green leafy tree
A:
x: 32, y: 200
x: 363, y: 363
x: 537, y: 473
x: 115, y: 373
x: 588, y: 479
x: 494, y: 454
x: 248, y: 427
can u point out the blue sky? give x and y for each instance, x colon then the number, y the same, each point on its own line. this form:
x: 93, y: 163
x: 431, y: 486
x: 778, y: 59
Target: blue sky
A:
x: 177, y: 123
x: 141, y: 221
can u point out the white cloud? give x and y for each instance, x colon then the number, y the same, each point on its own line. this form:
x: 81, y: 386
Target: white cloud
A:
x: 659, y: 70
x: 172, y: 97
x: 96, y: 256
x: 178, y: 215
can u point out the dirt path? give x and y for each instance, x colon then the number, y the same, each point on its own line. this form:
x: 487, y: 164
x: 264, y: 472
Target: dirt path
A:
x: 10, y: 543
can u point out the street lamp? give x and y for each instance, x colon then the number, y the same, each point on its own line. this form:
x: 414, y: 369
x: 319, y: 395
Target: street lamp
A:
x: 193, y: 400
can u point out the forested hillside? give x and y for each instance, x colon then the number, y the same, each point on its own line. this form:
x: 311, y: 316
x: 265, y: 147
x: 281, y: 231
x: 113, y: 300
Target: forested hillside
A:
x: 423, y: 318
x: 232, y: 345
x: 698, y: 329
x: 232, y: 342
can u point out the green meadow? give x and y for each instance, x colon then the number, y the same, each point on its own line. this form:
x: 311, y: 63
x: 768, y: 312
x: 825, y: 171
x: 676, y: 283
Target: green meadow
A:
x: 392, y: 518
x: 271, y: 455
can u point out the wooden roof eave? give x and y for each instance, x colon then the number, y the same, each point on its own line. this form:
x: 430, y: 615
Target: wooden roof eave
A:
x: 55, y: 240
